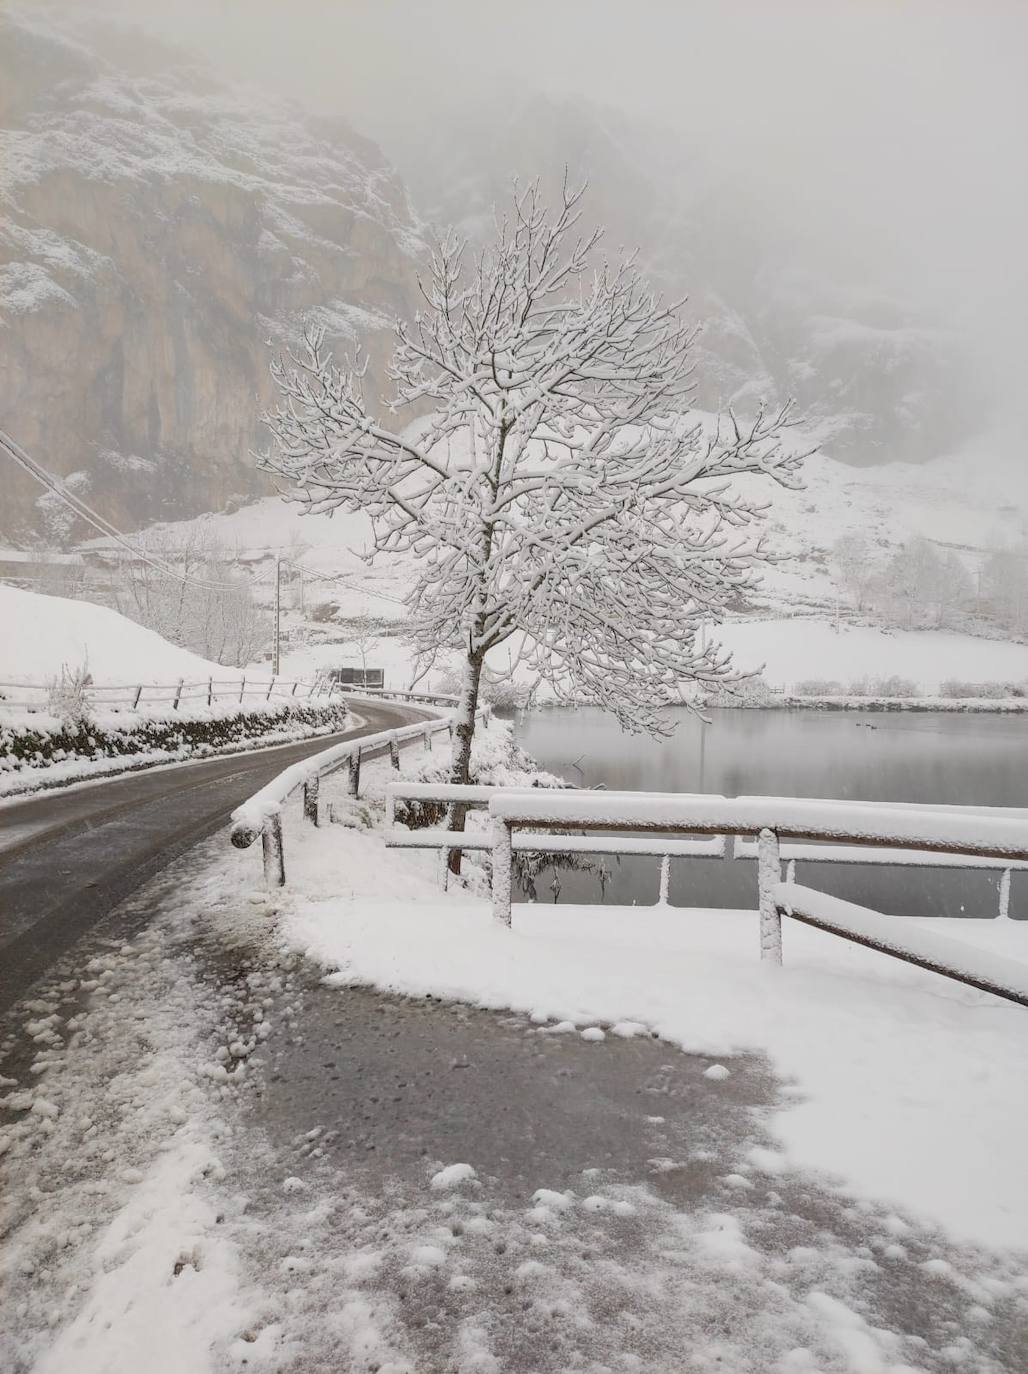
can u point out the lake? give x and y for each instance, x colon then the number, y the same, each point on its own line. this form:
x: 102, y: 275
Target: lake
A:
x: 866, y: 756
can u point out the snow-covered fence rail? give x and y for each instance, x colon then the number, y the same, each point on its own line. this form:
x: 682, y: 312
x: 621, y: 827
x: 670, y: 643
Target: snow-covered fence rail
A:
x: 474, y: 797
x: 35, y: 696
x: 792, y: 854
x: 903, y: 940
x: 973, y: 832
x: 262, y: 813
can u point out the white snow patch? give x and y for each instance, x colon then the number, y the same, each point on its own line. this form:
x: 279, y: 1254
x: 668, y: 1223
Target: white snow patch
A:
x: 452, y: 1177
x: 830, y: 1020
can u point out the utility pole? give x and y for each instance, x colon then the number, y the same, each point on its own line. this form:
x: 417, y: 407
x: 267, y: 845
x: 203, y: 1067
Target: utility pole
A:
x: 276, y: 663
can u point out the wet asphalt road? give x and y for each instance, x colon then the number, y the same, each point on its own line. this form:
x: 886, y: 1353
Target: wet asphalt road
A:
x: 68, y: 857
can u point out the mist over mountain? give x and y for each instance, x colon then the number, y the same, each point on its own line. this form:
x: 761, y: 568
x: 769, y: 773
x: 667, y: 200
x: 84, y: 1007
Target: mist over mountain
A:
x: 877, y: 377
x: 165, y: 231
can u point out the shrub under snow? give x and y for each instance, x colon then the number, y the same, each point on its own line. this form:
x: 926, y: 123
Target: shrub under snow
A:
x: 31, y: 743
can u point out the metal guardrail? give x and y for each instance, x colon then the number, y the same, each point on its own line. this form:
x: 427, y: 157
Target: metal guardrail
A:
x: 667, y: 849
x: 262, y: 813
x: 978, y: 833
x: 474, y: 797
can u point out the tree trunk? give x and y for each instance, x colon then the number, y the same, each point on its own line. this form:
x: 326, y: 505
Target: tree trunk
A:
x: 460, y: 763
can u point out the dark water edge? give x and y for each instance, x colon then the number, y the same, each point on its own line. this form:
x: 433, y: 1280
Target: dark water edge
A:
x: 941, y: 757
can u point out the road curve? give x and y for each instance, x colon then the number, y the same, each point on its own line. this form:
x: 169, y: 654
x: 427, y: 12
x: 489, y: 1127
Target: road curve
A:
x: 68, y: 857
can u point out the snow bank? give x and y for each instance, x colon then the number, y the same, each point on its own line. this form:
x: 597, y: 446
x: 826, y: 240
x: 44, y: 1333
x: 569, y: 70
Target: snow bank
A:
x: 900, y: 1081
x: 41, y: 633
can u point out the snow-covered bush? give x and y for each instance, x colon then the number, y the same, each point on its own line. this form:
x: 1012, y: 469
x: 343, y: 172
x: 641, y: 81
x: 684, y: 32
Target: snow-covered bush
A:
x: 895, y: 686
x: 38, y: 742
x: 66, y: 696
x: 956, y: 687
x: 819, y: 687
x: 504, y: 693
x: 496, y: 761
x: 750, y: 691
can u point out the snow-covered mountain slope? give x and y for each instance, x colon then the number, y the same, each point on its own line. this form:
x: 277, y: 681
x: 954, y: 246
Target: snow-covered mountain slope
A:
x: 42, y: 634
x: 791, y: 627
x: 161, y: 237
x: 966, y: 502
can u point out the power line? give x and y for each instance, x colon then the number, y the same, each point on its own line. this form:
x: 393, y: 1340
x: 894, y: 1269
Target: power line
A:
x: 55, y: 486
x: 341, y: 578
x: 79, y: 508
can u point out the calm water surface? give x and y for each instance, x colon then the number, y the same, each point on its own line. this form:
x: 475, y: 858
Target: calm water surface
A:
x: 918, y: 757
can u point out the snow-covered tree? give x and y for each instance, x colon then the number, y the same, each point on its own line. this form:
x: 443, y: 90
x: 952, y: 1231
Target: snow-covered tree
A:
x: 213, y: 614
x: 924, y: 585
x: 1004, y: 586
x: 560, y: 497
x: 855, y: 567
x: 362, y: 632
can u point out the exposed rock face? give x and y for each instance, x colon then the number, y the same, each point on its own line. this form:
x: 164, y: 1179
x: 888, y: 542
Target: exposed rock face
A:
x: 160, y: 240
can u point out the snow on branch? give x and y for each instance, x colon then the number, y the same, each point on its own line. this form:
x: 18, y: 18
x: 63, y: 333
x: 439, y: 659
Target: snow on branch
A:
x: 560, y: 494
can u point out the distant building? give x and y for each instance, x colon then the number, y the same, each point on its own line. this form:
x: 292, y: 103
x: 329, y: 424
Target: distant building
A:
x: 358, y: 677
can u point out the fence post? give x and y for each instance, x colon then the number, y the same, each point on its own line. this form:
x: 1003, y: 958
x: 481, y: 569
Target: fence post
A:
x: 242, y: 689
x: 311, y: 789
x: 353, y: 781
x: 271, y: 843
x: 503, y: 874
x: 178, y: 695
x: 139, y: 693
x: 428, y: 740
x: 293, y: 692
x: 665, y: 880
x: 394, y: 751
x: 1004, y: 895
x: 769, y: 873
x: 271, y: 688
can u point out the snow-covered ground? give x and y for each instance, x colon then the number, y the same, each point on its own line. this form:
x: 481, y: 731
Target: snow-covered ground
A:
x: 968, y: 501
x: 42, y: 634
x: 901, y: 1082
x: 153, y: 1223
x: 888, y: 505
x: 791, y: 651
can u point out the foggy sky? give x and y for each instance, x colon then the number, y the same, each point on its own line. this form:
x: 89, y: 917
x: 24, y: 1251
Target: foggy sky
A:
x: 889, y: 137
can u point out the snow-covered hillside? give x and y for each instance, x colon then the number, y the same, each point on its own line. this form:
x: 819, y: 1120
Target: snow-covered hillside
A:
x: 966, y: 501
x: 792, y: 631
x: 42, y: 634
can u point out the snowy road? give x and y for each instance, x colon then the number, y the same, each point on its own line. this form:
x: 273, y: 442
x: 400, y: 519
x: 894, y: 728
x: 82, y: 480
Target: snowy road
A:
x: 68, y: 857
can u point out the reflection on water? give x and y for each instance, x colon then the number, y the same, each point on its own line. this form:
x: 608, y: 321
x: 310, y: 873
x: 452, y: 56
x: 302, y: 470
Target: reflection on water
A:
x: 916, y: 757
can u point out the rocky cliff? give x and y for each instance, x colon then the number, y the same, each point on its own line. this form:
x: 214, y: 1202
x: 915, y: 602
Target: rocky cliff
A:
x: 160, y: 238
